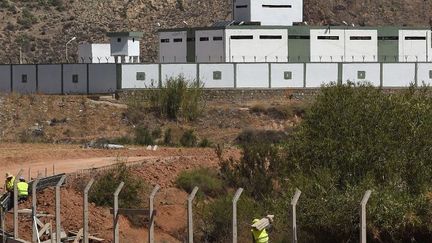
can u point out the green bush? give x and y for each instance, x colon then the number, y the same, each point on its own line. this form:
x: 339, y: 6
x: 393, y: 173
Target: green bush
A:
x: 206, y: 179
x: 189, y: 139
x: 143, y: 136
x: 205, y: 143
x: 168, y: 140
x: 252, y: 136
x: 27, y: 19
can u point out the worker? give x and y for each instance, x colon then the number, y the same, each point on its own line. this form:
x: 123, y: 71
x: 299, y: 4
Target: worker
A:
x: 22, y: 187
x: 259, y: 236
x: 10, y: 179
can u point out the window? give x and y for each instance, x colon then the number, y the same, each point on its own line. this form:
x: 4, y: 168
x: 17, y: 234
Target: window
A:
x: 415, y: 37
x: 217, y: 38
x: 165, y: 40
x: 241, y: 37
x: 178, y: 40
x: 430, y: 74
x: 276, y: 6
x: 241, y: 6
x: 361, y: 74
x: 24, y: 78
x: 360, y: 38
x: 388, y: 38
x: 217, y: 75
x: 204, y: 39
x: 270, y: 37
x: 141, y: 76
x: 190, y: 39
x: 328, y: 37
x: 118, y: 39
x: 75, y: 78
x: 288, y: 75
x: 299, y: 37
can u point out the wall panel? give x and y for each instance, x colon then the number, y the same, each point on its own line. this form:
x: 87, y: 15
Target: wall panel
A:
x: 49, y: 79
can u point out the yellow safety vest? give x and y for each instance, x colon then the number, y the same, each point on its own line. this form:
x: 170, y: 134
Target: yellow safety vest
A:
x: 260, y: 236
x: 22, y: 189
x: 10, y: 184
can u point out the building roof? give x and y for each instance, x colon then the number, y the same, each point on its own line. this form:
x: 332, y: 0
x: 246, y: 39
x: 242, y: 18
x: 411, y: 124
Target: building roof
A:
x: 126, y: 34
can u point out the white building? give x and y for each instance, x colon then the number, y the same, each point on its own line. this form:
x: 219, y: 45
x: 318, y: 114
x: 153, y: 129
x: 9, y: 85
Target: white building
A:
x: 415, y: 45
x: 94, y: 53
x: 269, y: 12
x: 125, y: 46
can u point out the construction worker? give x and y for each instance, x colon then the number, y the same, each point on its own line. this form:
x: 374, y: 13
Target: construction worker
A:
x: 259, y: 236
x: 10, y: 179
x: 22, y: 187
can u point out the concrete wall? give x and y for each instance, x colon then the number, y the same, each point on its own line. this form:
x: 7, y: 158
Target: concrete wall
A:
x: 277, y: 12
x: 318, y: 74
x: 242, y: 10
x: 50, y: 79
x: 24, y: 79
x: 210, y: 79
x: 172, y: 47
x: 414, y: 45
x: 424, y: 74
x: 327, y: 45
x: 209, y: 46
x: 398, y: 74
x: 103, y: 78
x: 95, y: 53
x: 5, y: 78
x: 253, y: 75
x: 130, y: 72
x: 189, y: 71
x: 70, y: 87
x: 361, y: 45
x: 354, y: 73
x: 293, y: 79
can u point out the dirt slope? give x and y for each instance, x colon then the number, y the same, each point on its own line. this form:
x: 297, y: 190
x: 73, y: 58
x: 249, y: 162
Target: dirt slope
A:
x: 43, y: 27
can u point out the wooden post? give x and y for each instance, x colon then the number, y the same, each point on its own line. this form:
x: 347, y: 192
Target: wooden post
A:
x: 86, y: 212
x: 294, y: 202
x: 15, y: 204
x: 363, y: 203
x: 53, y: 169
x: 29, y: 174
x: 190, y: 214
x: 115, y: 213
x: 58, y: 206
x: 234, y: 222
x: 34, y: 210
x: 46, y: 172
x: 151, y: 202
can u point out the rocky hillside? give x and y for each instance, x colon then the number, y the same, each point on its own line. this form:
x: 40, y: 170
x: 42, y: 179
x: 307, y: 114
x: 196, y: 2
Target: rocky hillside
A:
x: 42, y: 27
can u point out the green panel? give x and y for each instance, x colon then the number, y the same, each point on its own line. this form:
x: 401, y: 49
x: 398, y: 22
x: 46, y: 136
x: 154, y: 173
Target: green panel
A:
x: 388, y: 49
x: 299, y: 44
x: 190, y: 52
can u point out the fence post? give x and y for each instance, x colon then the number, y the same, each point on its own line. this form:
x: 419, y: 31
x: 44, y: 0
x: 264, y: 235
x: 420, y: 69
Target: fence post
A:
x: 363, y: 216
x: 85, y: 211
x: 29, y: 174
x: 34, y: 210
x: 2, y: 215
x: 234, y: 222
x: 15, y: 204
x: 57, y: 210
x: 294, y: 202
x: 190, y: 214
x: 115, y: 212
x: 151, y: 226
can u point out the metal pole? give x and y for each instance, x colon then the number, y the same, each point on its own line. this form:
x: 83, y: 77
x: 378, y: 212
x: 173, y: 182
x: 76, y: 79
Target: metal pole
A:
x: 234, y: 222
x: 363, y: 203
x: 57, y: 211
x: 2, y: 224
x: 15, y: 203
x: 46, y: 172
x: 53, y: 169
x: 34, y: 210
x: 85, y: 211
x: 29, y: 174
x: 294, y: 214
x: 151, y: 226
x: 115, y: 212
x: 190, y: 214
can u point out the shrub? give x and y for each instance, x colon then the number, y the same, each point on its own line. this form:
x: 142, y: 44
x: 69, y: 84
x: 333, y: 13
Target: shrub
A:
x: 206, y: 179
x: 189, y: 139
x: 143, y: 136
x: 27, y: 19
x: 156, y: 133
x: 205, y: 143
x: 250, y: 136
x: 168, y: 140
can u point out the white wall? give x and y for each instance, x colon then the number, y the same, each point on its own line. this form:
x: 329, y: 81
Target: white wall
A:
x: 361, y: 45
x: 424, y: 72
x: 398, y: 74
x: 318, y: 74
x: 253, y: 75
x: 102, y: 78
x: 372, y: 72
x: 133, y: 46
x: 99, y: 53
x: 327, y: 50
x: 170, y: 52
x: 242, y: 10
x: 189, y: 71
x: 209, y: 49
x: 119, y: 48
x: 129, y: 76
x: 5, y: 79
x: 75, y: 88
x: 256, y: 49
x: 227, y: 75
x: 278, y: 75
x: 412, y: 50
x: 277, y: 12
x: 18, y: 85
x: 49, y: 79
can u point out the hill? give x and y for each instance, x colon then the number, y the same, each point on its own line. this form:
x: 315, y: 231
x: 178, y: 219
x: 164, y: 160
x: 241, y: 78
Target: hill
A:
x: 41, y: 28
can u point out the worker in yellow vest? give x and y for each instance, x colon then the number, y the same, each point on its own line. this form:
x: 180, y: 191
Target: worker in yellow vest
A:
x: 10, y: 179
x: 22, y: 187
x: 259, y: 236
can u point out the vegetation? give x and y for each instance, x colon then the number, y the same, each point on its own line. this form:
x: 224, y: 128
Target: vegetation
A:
x: 189, y: 139
x: 27, y: 19
x: 143, y: 136
x: 206, y: 179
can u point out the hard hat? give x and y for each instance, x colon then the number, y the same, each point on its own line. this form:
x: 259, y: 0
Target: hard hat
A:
x: 8, y: 175
x: 22, y: 178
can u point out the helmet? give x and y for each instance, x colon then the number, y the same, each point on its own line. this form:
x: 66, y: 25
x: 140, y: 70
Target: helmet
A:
x: 22, y: 178
x: 9, y: 175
